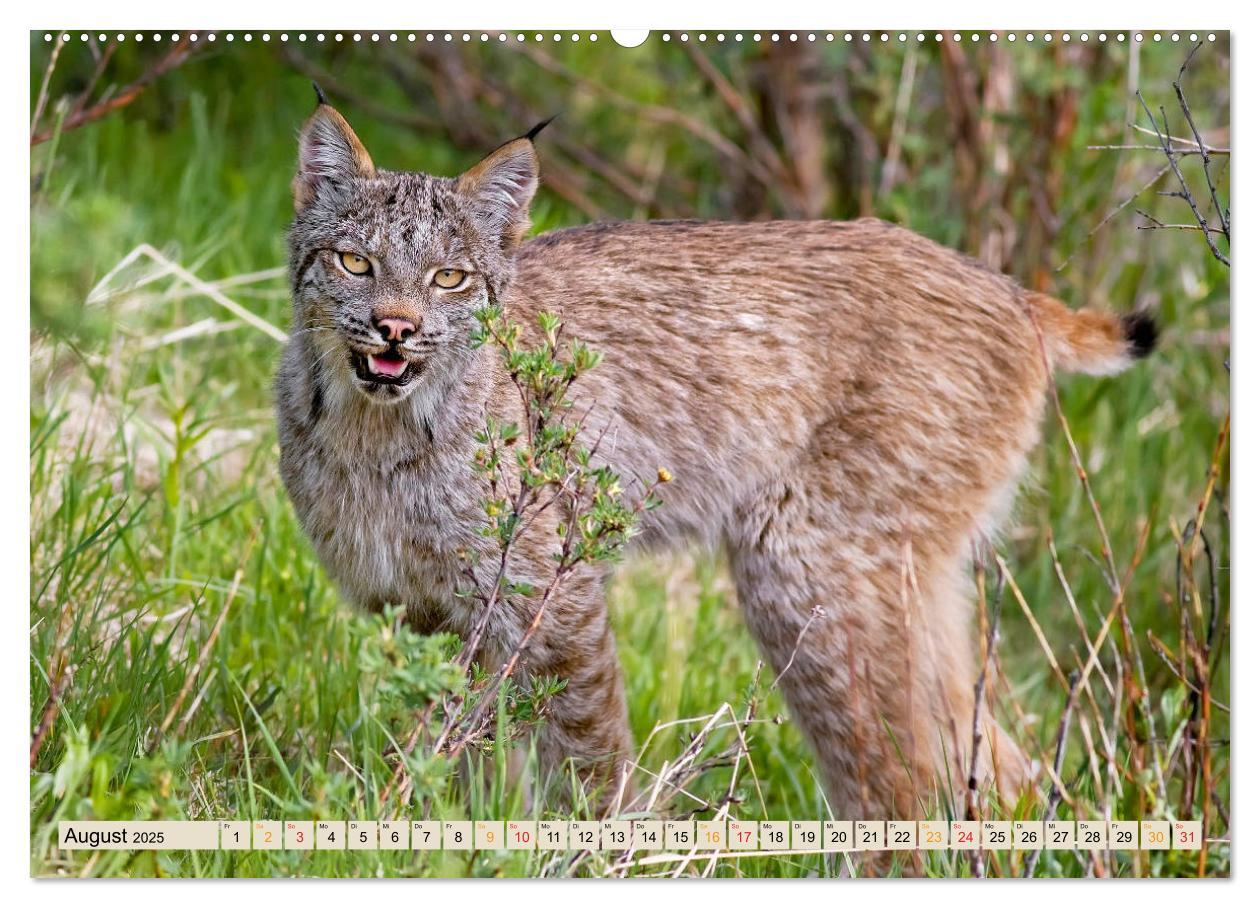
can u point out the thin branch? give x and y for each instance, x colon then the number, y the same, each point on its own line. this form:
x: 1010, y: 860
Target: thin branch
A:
x: 1057, y: 792
x: 654, y: 113
x: 102, y: 61
x: 1112, y: 214
x: 738, y: 105
x: 1155, y: 223
x: 173, y: 58
x: 48, y: 717
x: 1176, y: 140
x: 978, y: 713
x: 42, y: 99
x: 1207, y: 149
x: 1222, y: 215
x: 901, y: 113
x: 1173, y: 162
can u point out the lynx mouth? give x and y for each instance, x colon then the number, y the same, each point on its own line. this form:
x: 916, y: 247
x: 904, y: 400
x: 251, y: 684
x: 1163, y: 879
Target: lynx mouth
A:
x: 388, y: 368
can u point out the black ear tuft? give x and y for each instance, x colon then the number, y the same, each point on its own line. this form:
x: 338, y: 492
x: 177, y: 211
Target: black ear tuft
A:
x: 1142, y: 333
x: 329, y: 155
x: 500, y: 187
x: 533, y: 133
x: 320, y: 98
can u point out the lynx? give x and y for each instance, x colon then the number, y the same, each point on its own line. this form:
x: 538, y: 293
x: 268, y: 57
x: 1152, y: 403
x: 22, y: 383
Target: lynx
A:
x: 846, y: 408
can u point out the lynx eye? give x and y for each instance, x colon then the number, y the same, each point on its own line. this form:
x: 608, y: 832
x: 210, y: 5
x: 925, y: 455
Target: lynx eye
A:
x: 449, y: 278
x: 355, y: 264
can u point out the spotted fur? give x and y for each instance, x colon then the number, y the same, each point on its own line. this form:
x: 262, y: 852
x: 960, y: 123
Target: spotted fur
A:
x: 846, y: 409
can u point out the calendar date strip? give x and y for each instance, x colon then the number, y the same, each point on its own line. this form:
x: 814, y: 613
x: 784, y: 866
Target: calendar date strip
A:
x: 711, y: 838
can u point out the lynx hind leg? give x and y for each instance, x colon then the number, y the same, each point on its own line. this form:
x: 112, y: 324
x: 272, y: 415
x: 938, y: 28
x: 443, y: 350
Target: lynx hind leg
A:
x: 948, y: 641
x: 872, y: 645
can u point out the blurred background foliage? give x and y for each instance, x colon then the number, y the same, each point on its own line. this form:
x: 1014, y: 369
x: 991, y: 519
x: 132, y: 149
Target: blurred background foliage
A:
x: 153, y: 457
x: 984, y: 146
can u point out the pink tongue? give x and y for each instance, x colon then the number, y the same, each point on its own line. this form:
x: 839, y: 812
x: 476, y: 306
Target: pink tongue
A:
x: 383, y: 365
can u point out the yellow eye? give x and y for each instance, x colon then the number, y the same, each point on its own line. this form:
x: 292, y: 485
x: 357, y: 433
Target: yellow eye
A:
x: 355, y: 264
x: 449, y: 278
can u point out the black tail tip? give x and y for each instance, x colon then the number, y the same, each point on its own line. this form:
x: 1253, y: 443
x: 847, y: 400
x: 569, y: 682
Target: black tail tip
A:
x: 1142, y: 333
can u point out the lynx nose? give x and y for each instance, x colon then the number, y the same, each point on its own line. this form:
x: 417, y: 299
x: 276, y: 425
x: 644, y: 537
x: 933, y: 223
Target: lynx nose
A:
x: 395, y: 329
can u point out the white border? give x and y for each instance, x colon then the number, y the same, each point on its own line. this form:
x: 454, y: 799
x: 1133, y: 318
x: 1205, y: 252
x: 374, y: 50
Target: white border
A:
x: 784, y: 15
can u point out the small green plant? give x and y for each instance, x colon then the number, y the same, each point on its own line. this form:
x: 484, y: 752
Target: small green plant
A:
x: 539, y: 471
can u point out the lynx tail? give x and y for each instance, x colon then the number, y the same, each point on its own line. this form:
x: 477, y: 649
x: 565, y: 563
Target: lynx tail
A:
x: 1093, y: 342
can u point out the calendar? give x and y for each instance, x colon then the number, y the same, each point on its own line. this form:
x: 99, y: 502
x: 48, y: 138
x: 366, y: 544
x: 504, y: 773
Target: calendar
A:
x: 529, y: 448
x: 761, y: 837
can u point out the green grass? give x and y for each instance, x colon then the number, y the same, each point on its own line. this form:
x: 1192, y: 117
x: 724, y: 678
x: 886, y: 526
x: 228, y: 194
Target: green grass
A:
x: 153, y: 483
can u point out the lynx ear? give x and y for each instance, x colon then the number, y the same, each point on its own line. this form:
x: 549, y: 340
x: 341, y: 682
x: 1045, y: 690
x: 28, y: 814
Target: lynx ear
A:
x: 501, y: 186
x: 329, y: 155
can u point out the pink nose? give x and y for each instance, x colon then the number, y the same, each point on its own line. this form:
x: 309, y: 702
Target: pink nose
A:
x: 395, y: 329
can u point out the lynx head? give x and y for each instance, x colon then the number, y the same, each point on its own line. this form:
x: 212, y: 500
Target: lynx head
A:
x: 389, y: 267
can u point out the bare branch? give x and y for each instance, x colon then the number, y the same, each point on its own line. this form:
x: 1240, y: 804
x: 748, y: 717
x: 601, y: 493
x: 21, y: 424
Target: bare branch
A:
x: 1112, y: 214
x: 1209, y: 149
x: 173, y: 58
x: 1156, y: 224
x: 42, y: 99
x: 1203, y: 150
x: 1174, y: 156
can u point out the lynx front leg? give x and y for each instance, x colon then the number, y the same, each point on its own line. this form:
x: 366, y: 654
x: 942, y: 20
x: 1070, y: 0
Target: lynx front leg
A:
x: 587, y: 723
x: 585, y: 728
